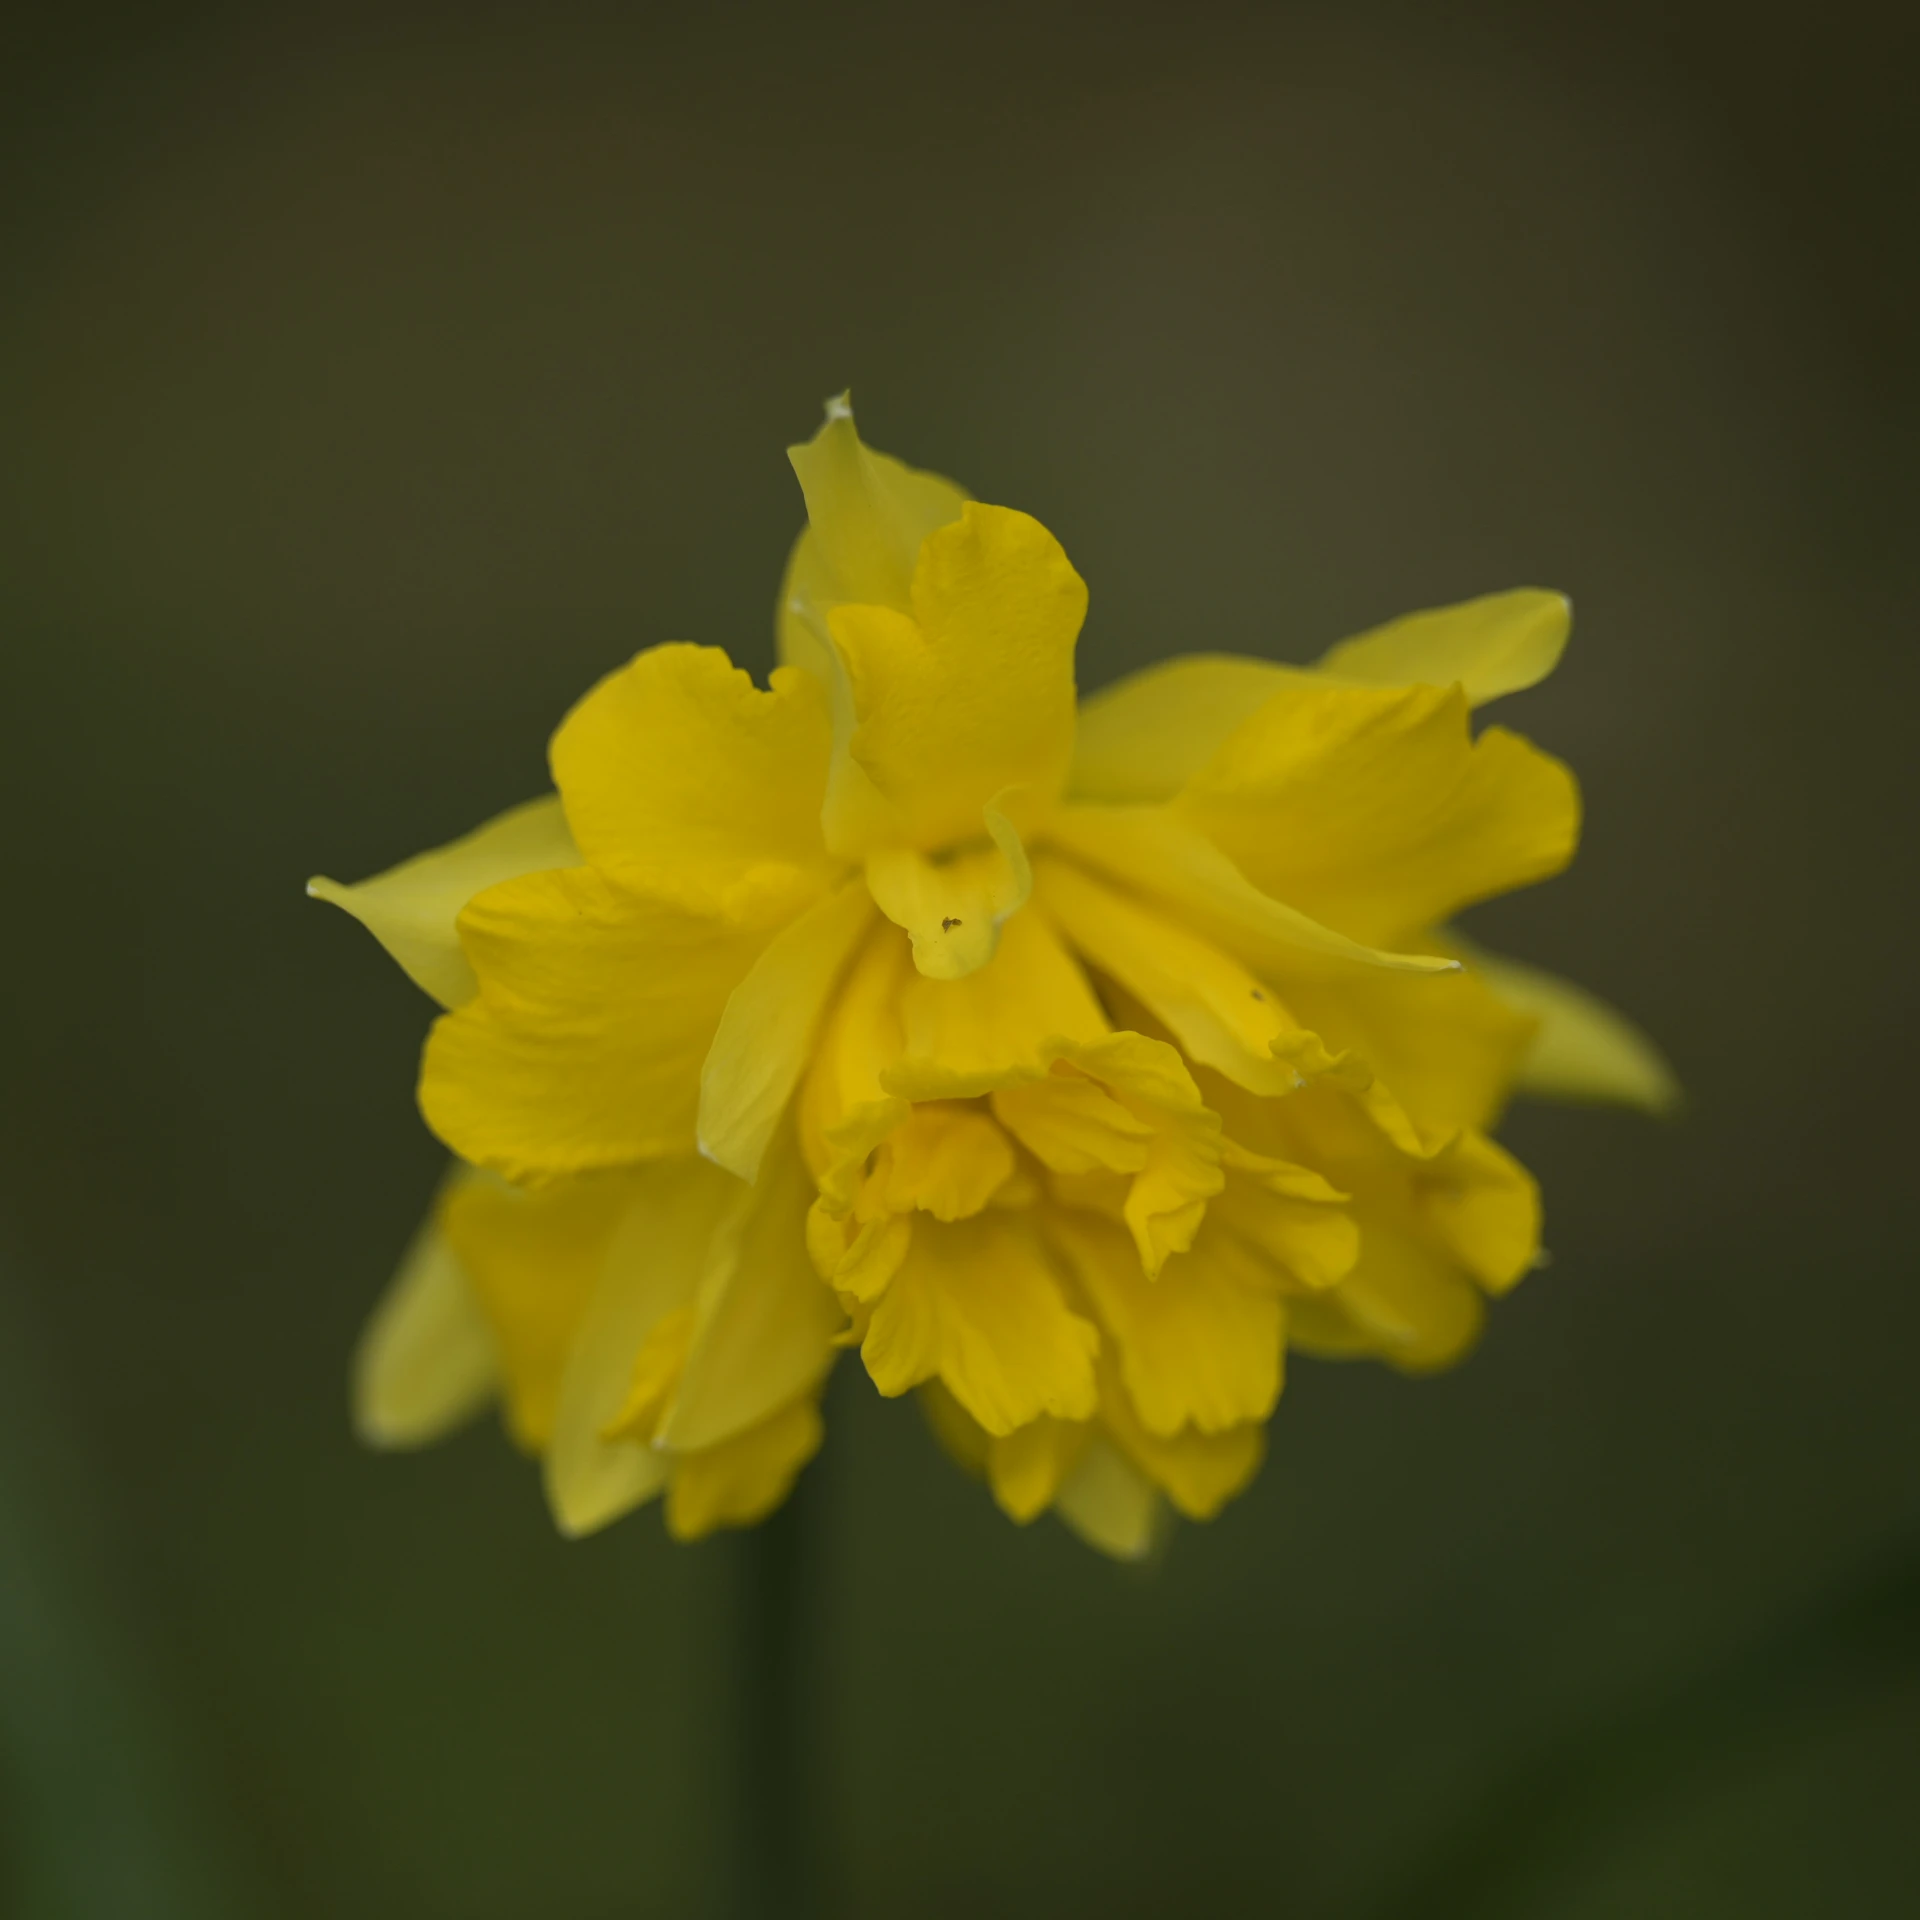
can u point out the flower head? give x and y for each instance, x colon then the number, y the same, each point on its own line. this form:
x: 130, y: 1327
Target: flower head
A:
x: 1072, y: 1064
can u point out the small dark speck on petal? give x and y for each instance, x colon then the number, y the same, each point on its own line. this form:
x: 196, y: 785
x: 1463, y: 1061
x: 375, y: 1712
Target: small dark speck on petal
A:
x: 948, y: 925
x: 1258, y: 995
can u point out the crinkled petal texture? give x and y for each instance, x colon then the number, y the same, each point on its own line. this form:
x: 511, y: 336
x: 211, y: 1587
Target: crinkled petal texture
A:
x: 695, y: 797
x: 1374, y: 810
x: 1074, y: 1073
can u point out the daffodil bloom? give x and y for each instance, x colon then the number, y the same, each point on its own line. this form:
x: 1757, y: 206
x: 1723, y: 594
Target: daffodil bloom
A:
x: 1074, y: 1064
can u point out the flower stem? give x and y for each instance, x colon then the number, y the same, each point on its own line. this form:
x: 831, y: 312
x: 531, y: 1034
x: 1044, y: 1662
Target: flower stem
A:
x: 777, y: 1855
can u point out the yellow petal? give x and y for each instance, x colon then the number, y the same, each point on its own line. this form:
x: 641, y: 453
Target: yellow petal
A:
x: 953, y: 910
x: 743, y: 1479
x: 1198, y: 1472
x: 1497, y: 644
x: 867, y: 516
x: 945, y: 1159
x: 1405, y: 1303
x: 1221, y: 1014
x: 971, y: 694
x: 965, y: 1037
x: 1165, y: 854
x: 1280, y: 1177
x: 534, y: 1259
x: 426, y: 1362
x: 1484, y: 1208
x: 1447, y: 1049
x: 767, y: 1032
x: 1291, y: 1216
x: 1462, y: 1204
x: 1167, y: 1198
x: 1200, y: 1346
x: 1126, y: 1104
x: 1025, y: 1468
x: 1111, y: 1504
x: 977, y: 1304
x: 764, y: 1324
x: 1376, y: 812
x: 857, y: 1258
x: 597, y: 1008
x: 844, y: 1110
x: 411, y: 909
x: 651, y: 1269
x: 655, y: 1374
x: 1581, y: 1049
x: 1146, y: 737
x: 681, y: 775
x: 1074, y: 1125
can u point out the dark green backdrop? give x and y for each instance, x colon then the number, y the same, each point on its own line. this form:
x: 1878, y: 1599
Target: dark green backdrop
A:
x: 369, y: 387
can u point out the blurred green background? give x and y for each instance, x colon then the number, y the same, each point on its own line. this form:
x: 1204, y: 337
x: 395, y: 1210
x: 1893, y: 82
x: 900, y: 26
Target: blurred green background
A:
x: 369, y: 385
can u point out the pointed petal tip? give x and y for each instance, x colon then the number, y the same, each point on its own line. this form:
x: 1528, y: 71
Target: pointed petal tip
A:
x: 574, y: 1519
x: 375, y: 1434
x: 839, y: 406
x: 736, y: 1162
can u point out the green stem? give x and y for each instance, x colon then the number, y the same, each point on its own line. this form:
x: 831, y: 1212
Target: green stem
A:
x: 778, y: 1854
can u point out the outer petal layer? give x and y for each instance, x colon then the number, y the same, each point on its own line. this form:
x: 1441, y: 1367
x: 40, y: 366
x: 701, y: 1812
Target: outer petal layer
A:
x: 426, y: 1363
x: 535, y: 1259
x: 1582, y: 1049
x: 597, y: 1009
x: 648, y: 1272
x: 680, y: 774
x: 1497, y: 644
x: 764, y: 1326
x: 1447, y: 1048
x: 1167, y: 854
x: 411, y: 909
x: 768, y: 1029
x: 1145, y: 737
x: 1111, y: 1504
x: 1374, y: 811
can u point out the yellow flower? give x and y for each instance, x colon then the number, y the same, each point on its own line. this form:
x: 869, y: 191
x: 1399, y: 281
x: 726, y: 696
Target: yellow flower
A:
x: 1073, y: 1065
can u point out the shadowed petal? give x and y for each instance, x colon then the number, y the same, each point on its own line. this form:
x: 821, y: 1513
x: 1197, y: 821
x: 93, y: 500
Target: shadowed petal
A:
x: 426, y: 1362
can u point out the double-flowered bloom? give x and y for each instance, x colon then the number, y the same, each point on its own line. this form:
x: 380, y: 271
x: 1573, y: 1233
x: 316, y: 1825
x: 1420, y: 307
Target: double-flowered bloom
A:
x: 1072, y: 1065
